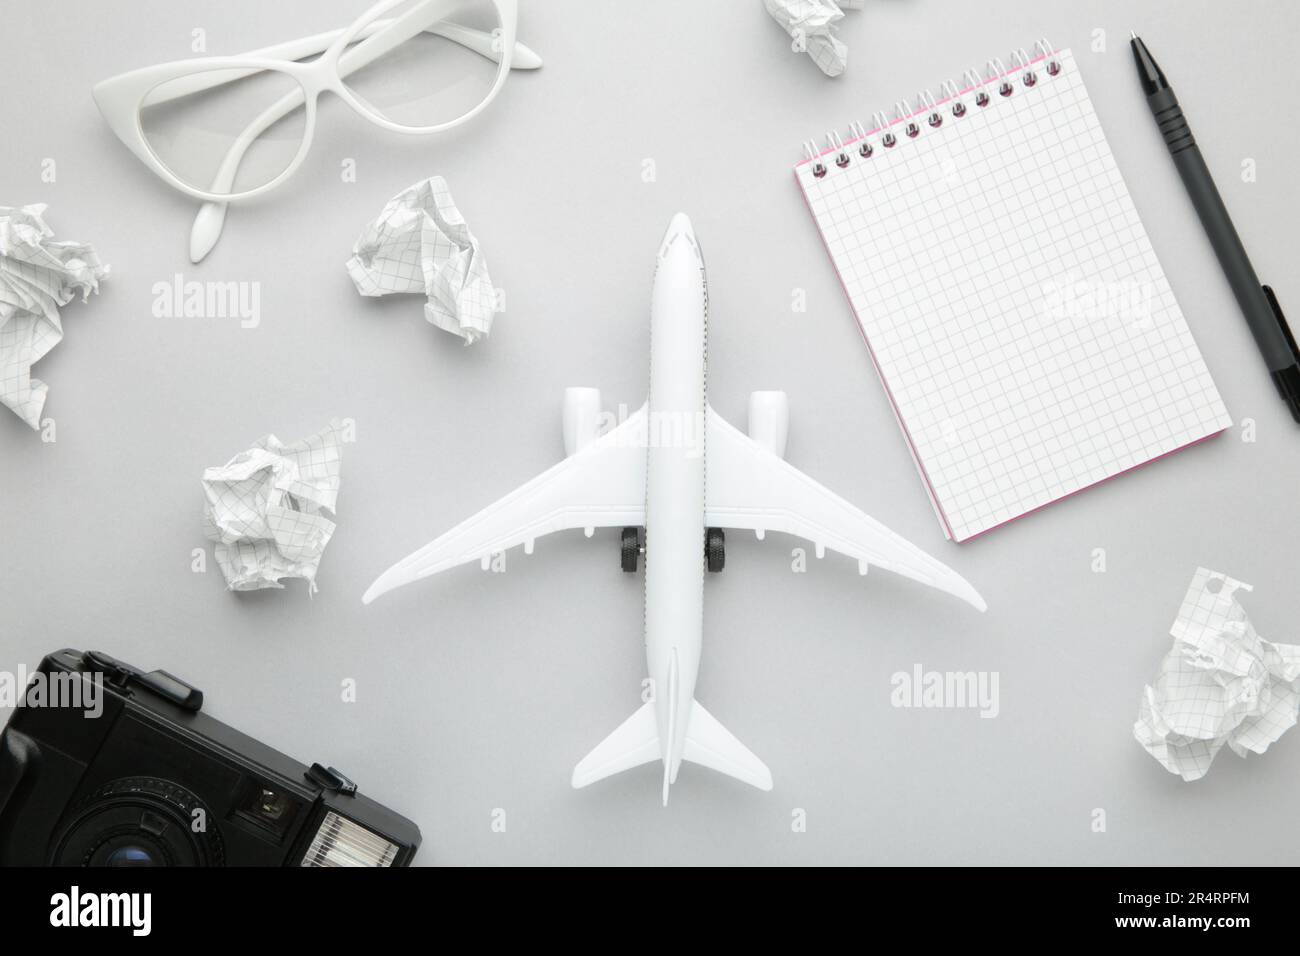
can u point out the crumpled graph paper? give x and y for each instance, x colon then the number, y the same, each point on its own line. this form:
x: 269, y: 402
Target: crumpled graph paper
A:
x: 264, y: 509
x: 1220, y: 683
x: 811, y: 24
x: 37, y: 277
x: 420, y: 243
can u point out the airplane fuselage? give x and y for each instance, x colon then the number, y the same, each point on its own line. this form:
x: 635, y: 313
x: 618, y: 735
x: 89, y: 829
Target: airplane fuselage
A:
x: 675, y: 476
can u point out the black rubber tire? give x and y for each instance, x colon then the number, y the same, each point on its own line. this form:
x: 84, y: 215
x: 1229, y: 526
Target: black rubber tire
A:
x: 631, y: 549
x: 715, y: 549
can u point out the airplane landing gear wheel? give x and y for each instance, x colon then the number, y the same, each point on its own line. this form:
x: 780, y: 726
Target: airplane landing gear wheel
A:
x: 631, y: 549
x: 715, y: 551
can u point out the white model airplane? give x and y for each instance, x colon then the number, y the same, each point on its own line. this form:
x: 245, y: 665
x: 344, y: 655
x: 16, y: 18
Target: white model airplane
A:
x: 676, y: 469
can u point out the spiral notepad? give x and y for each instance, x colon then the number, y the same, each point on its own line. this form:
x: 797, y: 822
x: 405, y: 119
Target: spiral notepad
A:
x: 1012, y: 304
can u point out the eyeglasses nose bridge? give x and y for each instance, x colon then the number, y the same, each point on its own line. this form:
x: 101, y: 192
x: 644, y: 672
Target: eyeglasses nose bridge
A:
x: 321, y: 75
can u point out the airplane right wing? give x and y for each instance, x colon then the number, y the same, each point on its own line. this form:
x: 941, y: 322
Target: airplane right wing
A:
x: 748, y: 486
x: 600, y: 486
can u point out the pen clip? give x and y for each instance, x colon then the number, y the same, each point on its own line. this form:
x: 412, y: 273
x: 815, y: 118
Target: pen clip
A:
x: 1281, y: 320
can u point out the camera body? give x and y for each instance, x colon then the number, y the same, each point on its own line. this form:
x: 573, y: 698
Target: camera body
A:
x: 105, y: 765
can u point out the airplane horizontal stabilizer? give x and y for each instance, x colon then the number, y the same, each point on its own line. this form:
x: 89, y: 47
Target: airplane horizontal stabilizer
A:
x: 711, y: 745
x: 635, y: 742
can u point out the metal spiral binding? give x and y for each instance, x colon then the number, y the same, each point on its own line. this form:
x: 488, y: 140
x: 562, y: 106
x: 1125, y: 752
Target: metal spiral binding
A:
x: 810, y: 154
x: 903, y: 115
x: 995, y: 71
x: 841, y: 157
x: 1021, y: 59
x: 925, y: 102
x: 953, y: 92
x: 887, y: 139
x: 857, y: 132
x: 973, y: 88
x: 1043, y: 48
x: 975, y: 82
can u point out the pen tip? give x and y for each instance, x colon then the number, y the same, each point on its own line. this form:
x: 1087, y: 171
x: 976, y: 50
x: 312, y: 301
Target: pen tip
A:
x: 1132, y: 34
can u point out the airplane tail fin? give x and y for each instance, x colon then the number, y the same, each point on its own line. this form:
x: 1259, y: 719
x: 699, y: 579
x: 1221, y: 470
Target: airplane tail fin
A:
x: 636, y: 742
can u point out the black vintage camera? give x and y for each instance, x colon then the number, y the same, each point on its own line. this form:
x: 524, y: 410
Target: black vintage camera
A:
x: 104, y: 765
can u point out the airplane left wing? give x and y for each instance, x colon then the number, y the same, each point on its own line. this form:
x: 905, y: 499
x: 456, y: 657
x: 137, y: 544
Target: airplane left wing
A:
x: 601, y: 485
x: 748, y: 486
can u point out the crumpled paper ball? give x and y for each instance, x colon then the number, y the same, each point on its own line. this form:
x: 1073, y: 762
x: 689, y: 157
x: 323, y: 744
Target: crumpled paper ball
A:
x: 420, y: 243
x: 264, y: 509
x: 811, y: 24
x: 37, y: 277
x: 1221, y: 683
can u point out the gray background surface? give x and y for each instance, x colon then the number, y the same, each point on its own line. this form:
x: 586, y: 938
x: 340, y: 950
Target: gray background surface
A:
x: 480, y: 691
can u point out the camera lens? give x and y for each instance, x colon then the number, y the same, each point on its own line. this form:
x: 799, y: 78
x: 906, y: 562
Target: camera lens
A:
x: 140, y: 821
x: 130, y: 856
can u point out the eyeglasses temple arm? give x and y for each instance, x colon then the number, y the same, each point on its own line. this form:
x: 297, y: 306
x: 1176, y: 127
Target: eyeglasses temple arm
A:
x: 477, y: 41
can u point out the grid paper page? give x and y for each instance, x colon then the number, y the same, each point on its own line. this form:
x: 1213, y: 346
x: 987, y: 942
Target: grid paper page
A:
x: 1013, y: 305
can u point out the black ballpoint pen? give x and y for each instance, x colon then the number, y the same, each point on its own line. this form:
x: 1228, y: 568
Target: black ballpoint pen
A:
x: 1263, y: 314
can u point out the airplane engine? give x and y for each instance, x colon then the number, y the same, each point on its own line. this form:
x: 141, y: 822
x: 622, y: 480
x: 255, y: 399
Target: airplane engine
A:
x: 581, y: 418
x: 769, y: 420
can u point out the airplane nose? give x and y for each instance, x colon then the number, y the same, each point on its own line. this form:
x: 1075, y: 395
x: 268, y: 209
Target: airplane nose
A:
x: 680, y: 223
x: 679, y: 227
